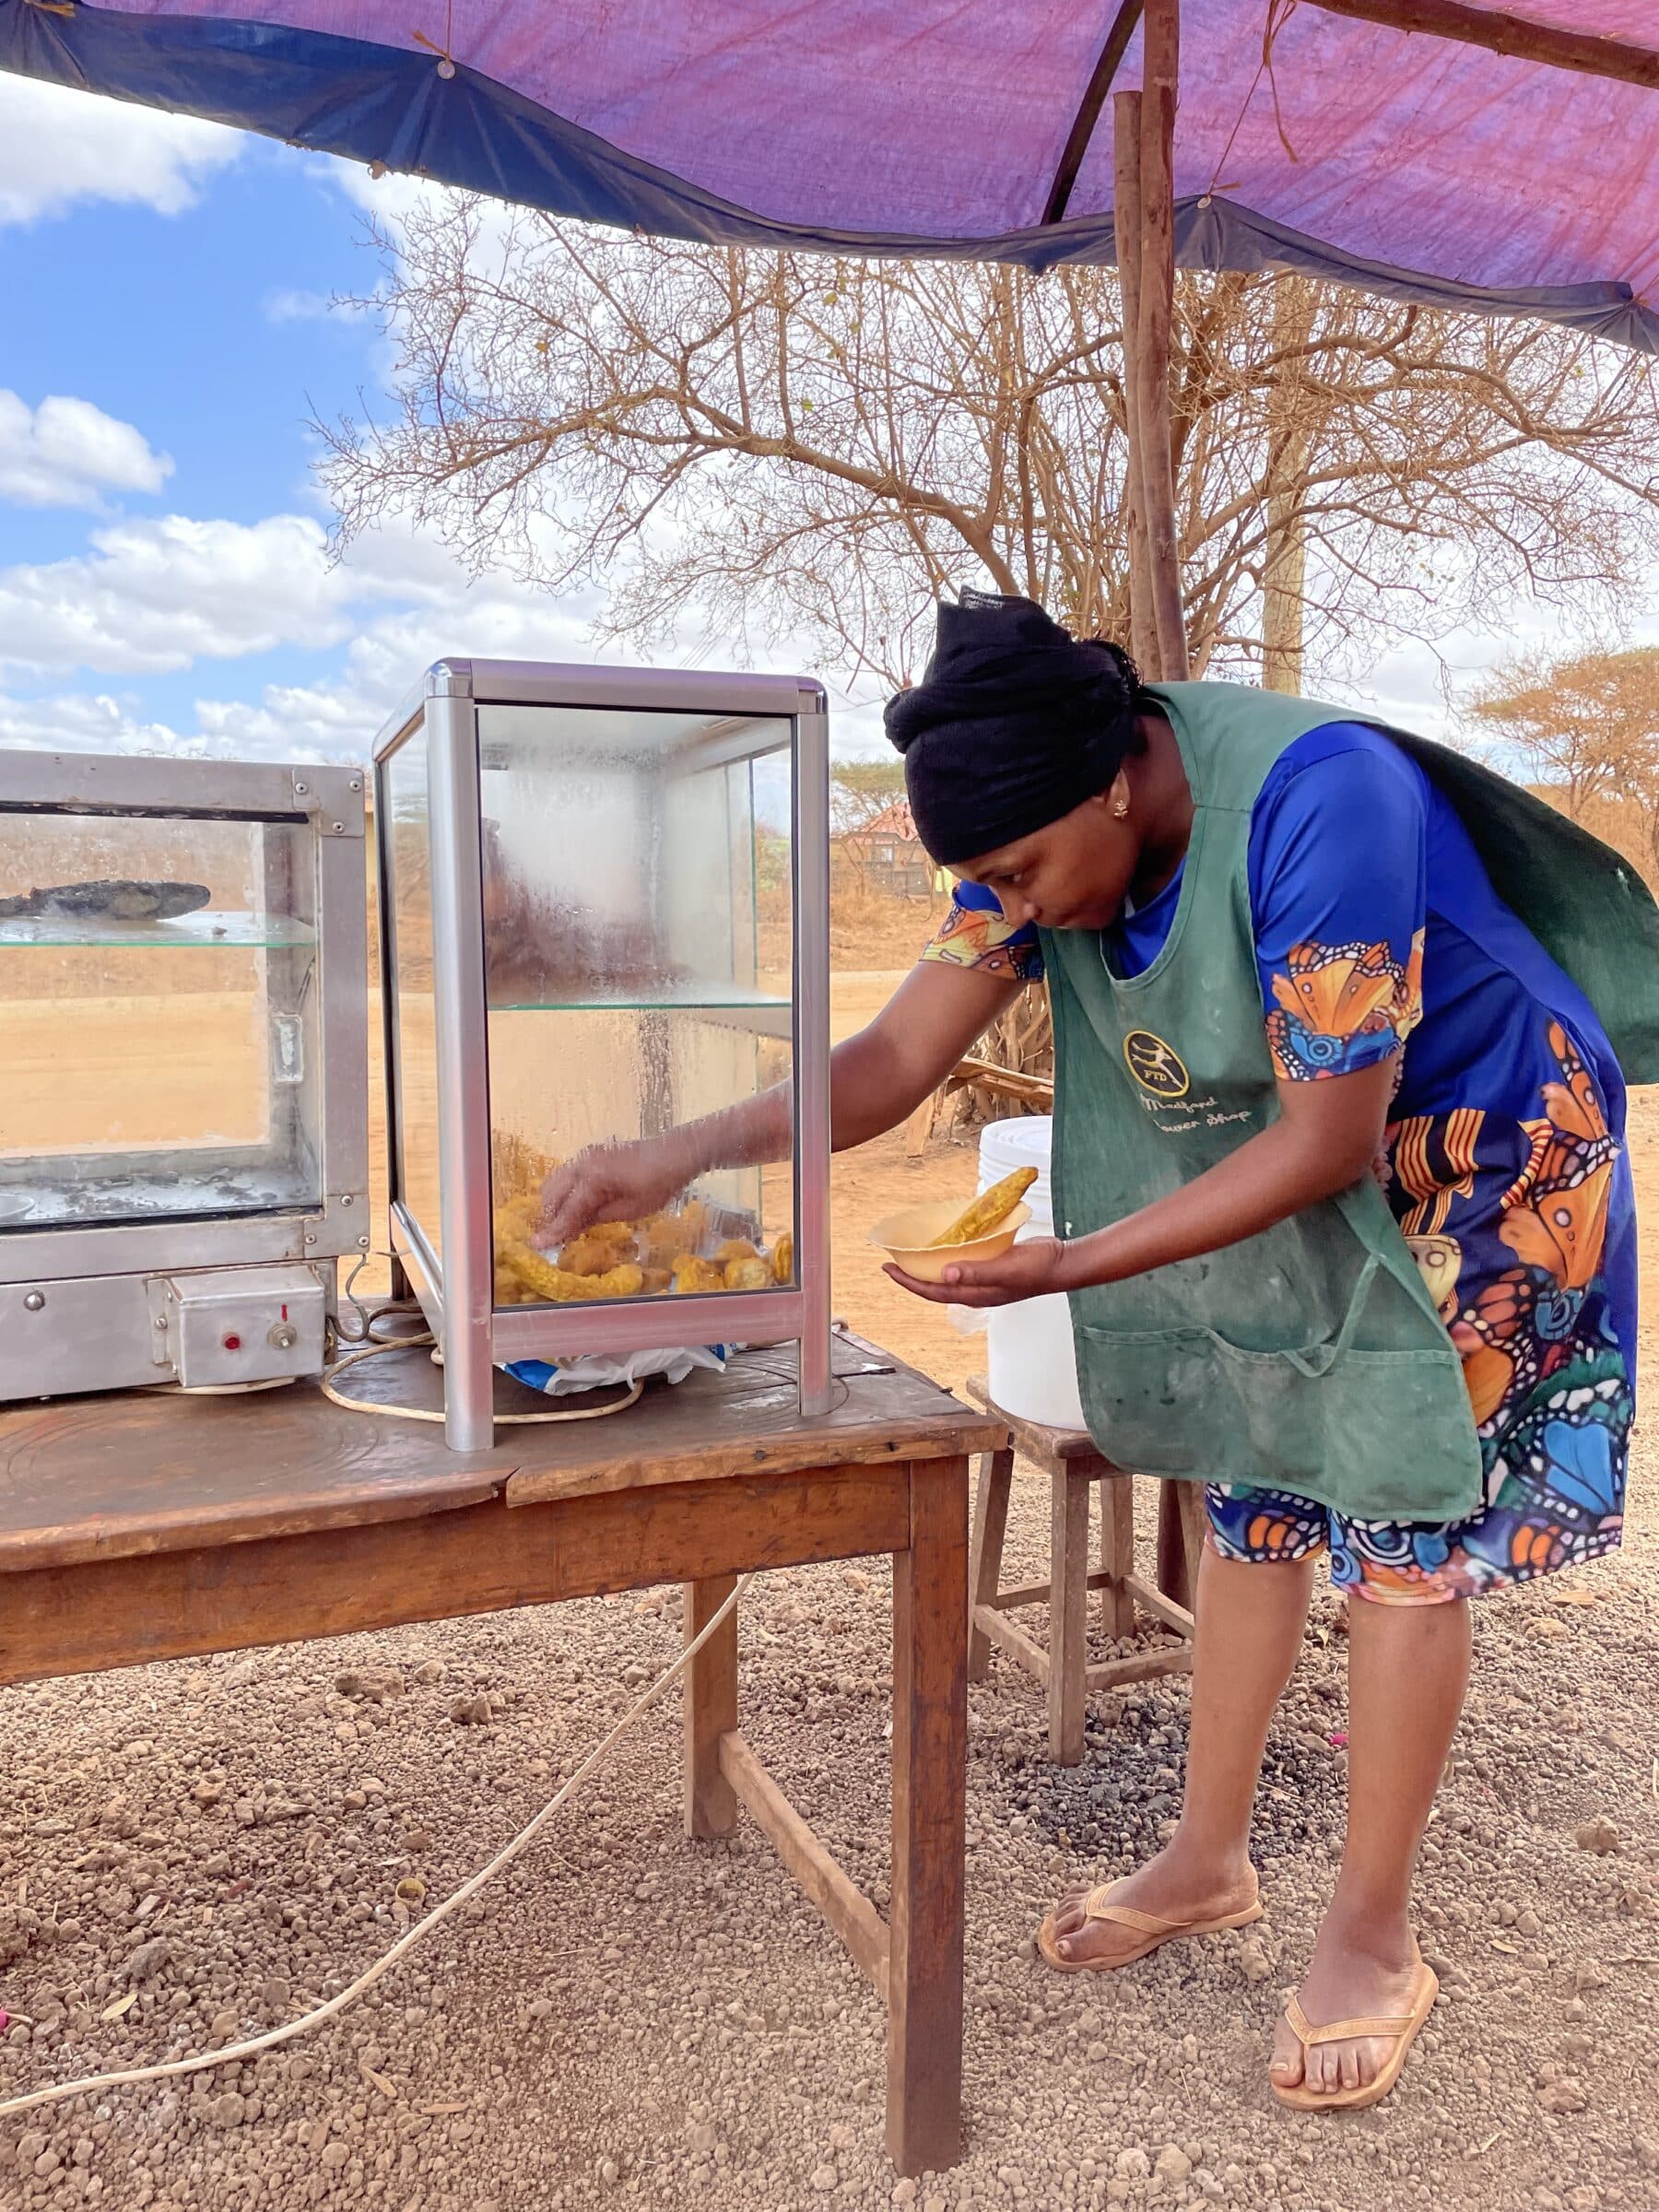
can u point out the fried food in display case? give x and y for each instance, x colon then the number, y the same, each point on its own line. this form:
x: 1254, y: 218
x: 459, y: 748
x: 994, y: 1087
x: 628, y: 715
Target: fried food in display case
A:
x: 604, y: 900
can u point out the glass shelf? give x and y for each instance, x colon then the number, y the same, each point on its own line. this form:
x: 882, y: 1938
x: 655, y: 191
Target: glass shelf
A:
x: 212, y: 928
x: 697, y: 996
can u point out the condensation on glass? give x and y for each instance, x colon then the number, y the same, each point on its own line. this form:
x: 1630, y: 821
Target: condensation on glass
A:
x: 599, y: 930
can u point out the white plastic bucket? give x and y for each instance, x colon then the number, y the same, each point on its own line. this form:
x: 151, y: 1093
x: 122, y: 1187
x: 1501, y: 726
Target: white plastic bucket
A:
x: 1030, y: 1365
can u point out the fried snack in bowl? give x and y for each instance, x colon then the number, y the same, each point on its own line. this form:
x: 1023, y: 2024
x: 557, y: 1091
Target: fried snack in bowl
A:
x: 734, y: 1248
x: 748, y: 1275
x: 657, y: 1281
x: 783, y: 1258
x: 911, y: 1239
x: 989, y: 1210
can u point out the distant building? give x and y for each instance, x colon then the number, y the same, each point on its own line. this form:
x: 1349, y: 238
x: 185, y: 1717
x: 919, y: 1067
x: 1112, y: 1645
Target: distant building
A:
x: 889, y: 857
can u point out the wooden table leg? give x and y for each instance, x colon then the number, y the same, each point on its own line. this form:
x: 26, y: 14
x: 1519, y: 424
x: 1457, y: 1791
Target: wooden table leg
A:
x: 1181, y: 1521
x: 711, y: 1707
x: 930, y: 1759
x: 1194, y: 1519
x: 1068, y: 1616
x: 984, y: 1564
x: 1117, y: 1554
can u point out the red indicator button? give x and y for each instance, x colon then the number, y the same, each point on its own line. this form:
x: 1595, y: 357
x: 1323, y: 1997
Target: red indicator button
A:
x: 233, y: 1343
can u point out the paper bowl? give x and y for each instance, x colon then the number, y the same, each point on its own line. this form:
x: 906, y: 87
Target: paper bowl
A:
x: 907, y: 1238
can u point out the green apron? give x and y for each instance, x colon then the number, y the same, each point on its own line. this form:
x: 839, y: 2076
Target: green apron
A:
x: 1310, y: 1357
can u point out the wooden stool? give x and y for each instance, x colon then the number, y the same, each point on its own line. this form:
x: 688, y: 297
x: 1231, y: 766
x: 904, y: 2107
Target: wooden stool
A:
x: 1073, y: 1463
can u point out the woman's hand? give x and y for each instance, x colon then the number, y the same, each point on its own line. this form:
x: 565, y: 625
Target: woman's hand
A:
x: 613, y: 1182
x: 1023, y: 1271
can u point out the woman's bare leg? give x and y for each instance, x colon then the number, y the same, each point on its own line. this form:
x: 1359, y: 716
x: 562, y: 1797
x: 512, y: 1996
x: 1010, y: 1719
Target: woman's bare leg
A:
x: 1408, y: 1667
x: 1249, y: 1620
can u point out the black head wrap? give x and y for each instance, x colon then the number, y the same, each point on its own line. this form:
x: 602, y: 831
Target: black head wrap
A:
x: 1014, y: 723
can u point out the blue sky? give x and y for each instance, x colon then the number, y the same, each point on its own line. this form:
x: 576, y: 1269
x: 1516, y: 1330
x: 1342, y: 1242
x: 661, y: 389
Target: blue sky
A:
x: 165, y: 339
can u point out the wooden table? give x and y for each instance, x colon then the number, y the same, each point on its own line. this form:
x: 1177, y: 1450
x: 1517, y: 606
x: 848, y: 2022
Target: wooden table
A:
x: 150, y: 1526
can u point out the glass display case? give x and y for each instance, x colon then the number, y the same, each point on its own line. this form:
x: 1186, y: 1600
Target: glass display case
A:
x: 604, y: 914
x: 183, y: 1029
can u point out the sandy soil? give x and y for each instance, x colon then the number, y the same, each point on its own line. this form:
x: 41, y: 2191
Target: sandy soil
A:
x: 192, y: 1851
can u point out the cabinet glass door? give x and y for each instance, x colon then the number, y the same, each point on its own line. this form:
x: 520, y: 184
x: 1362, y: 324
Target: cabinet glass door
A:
x: 638, y: 928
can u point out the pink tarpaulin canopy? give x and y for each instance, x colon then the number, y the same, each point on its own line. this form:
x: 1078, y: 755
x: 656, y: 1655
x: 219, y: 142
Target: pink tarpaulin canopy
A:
x: 1418, y: 165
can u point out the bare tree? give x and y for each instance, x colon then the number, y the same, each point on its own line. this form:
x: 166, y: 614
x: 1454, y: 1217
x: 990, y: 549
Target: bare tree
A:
x: 1586, y: 728
x: 817, y: 446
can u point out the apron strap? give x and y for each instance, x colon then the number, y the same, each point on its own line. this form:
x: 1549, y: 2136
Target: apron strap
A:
x: 1319, y: 1358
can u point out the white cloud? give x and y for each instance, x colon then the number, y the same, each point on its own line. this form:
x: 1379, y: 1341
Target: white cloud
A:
x: 83, y: 723
x: 339, y: 717
x: 58, y: 146
x: 150, y: 597
x: 292, y: 306
x: 155, y: 595
x: 67, y: 453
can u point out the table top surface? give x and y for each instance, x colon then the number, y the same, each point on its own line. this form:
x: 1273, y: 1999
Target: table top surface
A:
x: 102, y: 1477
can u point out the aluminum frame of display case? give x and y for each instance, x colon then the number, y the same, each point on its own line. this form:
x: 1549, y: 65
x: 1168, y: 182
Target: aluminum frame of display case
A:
x: 328, y: 802
x: 456, y: 1292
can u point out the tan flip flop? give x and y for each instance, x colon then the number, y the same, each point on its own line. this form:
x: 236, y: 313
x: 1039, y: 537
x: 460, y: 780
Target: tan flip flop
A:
x: 1097, y: 1905
x: 1424, y: 1991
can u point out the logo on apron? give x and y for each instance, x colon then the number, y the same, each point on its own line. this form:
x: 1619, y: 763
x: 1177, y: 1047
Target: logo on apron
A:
x: 1156, y: 1066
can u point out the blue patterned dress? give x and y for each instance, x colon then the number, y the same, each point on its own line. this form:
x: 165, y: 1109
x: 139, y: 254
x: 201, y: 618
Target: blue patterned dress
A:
x: 1378, y: 935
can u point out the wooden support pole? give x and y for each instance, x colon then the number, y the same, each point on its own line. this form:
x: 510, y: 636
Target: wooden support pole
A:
x: 821, y: 1881
x: 1501, y: 31
x: 1117, y: 1554
x: 1089, y: 109
x: 1150, y: 362
x: 1068, y: 1613
x: 930, y: 1768
x: 711, y: 1706
x: 1126, y: 222
x: 1181, y: 1522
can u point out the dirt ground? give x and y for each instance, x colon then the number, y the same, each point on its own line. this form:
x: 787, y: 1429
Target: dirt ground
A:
x: 195, y: 1850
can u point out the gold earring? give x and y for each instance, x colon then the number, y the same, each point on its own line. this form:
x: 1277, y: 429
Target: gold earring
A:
x: 1121, y: 809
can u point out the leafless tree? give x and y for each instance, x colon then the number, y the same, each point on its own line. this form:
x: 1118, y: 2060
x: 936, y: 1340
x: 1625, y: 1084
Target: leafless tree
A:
x: 815, y: 446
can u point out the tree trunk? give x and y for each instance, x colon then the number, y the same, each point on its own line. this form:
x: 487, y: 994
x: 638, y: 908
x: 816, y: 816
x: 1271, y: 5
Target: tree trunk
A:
x: 1289, y: 445
x: 1148, y: 358
x: 1126, y: 214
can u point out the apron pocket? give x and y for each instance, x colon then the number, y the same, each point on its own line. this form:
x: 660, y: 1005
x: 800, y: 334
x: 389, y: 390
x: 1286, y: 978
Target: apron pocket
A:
x: 1321, y: 1423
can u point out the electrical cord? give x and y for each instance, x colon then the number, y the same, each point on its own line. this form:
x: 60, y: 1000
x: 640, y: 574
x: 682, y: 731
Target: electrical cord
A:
x: 235, y: 2052
x: 422, y: 1413
x: 366, y: 1344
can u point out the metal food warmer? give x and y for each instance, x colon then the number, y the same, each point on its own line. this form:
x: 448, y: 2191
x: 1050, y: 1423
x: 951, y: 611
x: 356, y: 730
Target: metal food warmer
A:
x: 184, y: 1142
x: 604, y: 913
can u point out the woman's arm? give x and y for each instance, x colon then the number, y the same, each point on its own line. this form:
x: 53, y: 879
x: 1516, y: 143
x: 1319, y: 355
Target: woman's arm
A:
x: 1327, y: 1136
x: 877, y: 1077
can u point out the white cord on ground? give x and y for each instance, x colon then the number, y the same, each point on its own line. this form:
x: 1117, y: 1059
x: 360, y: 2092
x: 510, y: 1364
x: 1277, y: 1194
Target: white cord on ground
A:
x: 235, y: 2052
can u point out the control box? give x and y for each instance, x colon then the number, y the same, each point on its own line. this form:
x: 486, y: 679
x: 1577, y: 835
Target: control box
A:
x: 241, y: 1324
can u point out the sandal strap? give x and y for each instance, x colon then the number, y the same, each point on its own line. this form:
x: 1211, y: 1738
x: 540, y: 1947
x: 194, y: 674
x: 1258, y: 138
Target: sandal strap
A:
x: 1097, y: 1905
x: 1126, y: 1916
x: 1339, y: 2032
